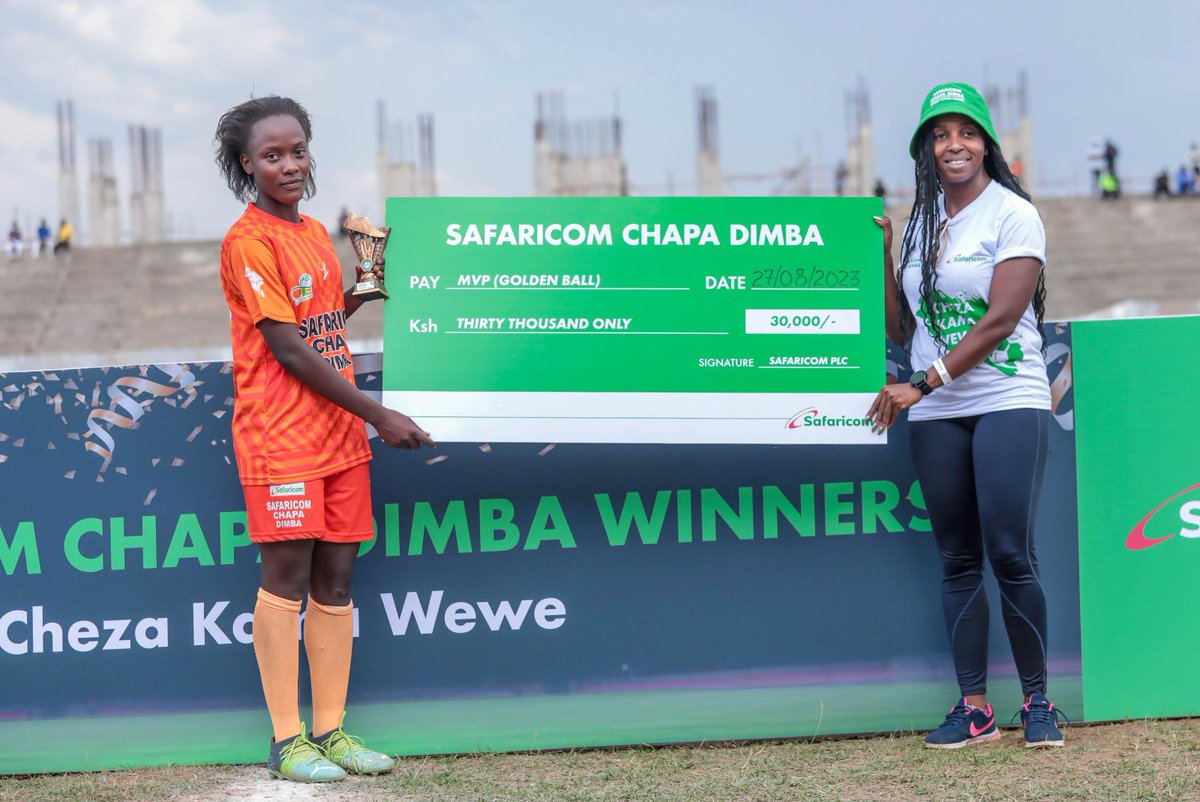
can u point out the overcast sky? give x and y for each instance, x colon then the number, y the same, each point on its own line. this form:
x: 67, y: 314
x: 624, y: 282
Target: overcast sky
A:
x: 780, y: 71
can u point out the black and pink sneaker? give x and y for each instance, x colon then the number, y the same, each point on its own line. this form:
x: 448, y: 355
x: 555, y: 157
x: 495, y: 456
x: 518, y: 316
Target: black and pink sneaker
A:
x: 1040, y: 719
x: 966, y: 724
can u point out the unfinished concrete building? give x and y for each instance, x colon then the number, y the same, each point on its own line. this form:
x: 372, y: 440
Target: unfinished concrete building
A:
x: 708, y: 154
x: 68, y: 182
x: 580, y: 158
x: 404, y: 158
x: 147, y: 213
x: 860, y: 176
x: 103, y: 206
x: 1010, y: 117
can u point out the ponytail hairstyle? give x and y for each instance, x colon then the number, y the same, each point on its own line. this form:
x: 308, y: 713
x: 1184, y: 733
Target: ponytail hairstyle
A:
x: 233, y: 135
x: 923, y: 232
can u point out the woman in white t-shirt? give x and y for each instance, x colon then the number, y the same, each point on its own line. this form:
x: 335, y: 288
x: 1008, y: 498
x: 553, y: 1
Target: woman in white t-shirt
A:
x: 970, y: 294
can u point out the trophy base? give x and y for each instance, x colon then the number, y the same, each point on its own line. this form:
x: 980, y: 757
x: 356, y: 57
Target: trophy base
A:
x: 369, y: 291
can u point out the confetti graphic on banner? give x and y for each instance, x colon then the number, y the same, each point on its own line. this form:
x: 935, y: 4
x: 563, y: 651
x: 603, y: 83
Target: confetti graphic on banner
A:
x: 122, y: 392
x: 102, y: 409
x: 108, y: 410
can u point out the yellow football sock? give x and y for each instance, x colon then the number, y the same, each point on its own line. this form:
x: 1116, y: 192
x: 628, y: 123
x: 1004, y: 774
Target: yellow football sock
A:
x: 328, y: 640
x: 276, y: 626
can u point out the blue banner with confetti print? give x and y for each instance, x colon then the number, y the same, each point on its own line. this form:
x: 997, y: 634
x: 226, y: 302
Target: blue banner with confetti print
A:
x: 516, y: 596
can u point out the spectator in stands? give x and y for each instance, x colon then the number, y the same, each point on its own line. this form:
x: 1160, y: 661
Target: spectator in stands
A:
x: 1162, y: 185
x: 16, y: 245
x: 1110, y: 188
x: 65, y: 232
x: 43, y: 237
x: 969, y: 302
x: 1183, y: 180
x: 1095, y: 158
x: 880, y: 189
x: 341, y: 227
x: 1110, y: 156
x: 840, y: 174
x: 1194, y: 153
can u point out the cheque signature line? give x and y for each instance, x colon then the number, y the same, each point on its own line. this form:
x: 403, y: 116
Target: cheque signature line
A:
x: 572, y: 331
x: 576, y: 289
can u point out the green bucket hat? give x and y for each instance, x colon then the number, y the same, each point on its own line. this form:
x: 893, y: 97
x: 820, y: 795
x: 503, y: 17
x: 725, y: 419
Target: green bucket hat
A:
x: 954, y: 98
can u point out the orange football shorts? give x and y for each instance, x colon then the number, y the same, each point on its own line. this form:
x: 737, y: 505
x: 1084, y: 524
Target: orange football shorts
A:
x: 336, y: 508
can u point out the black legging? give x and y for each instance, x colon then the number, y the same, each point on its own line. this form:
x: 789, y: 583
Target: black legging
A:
x: 981, y: 476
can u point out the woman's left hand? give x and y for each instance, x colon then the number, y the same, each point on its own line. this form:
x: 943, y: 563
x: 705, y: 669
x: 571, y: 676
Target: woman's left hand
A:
x: 891, y: 399
x: 885, y: 223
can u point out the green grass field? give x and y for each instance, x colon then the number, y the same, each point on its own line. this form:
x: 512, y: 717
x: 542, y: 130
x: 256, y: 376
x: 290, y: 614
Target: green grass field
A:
x: 1144, y: 761
x: 514, y: 723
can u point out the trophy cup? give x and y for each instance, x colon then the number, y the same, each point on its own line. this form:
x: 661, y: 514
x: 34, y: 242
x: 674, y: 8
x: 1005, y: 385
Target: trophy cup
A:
x: 368, y: 242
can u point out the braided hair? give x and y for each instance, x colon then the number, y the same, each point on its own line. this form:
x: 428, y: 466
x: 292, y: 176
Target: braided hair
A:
x: 233, y: 135
x: 922, y: 233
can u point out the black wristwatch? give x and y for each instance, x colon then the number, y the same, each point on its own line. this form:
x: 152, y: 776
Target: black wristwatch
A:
x: 918, y: 381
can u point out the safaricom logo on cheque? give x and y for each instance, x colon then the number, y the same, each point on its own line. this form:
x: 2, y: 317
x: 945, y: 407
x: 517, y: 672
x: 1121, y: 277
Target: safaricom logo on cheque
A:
x: 812, y: 418
x: 1188, y: 522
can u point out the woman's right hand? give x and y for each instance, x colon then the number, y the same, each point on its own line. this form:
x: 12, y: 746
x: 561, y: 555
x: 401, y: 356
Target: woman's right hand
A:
x: 400, y: 431
x: 887, y: 406
x: 885, y: 223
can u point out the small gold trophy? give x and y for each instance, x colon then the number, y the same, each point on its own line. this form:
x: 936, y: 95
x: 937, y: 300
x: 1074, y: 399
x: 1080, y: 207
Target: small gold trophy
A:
x: 368, y: 242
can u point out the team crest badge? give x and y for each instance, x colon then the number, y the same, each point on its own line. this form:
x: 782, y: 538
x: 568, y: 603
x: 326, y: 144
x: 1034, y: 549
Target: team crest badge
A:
x: 303, y: 291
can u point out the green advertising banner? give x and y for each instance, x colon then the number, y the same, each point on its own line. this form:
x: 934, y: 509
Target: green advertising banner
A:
x: 656, y: 320
x: 1138, y: 458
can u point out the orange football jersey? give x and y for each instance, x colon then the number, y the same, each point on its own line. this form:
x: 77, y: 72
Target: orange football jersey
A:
x: 289, y: 272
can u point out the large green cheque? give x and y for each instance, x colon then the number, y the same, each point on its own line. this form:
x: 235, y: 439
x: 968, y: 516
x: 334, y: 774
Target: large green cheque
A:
x: 635, y: 320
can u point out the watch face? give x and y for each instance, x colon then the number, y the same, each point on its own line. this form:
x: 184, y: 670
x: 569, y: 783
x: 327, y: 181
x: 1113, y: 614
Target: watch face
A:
x: 917, y: 378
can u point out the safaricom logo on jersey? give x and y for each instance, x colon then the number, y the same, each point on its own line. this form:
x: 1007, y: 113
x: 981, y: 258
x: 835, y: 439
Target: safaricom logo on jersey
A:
x: 1181, y: 518
x: 812, y: 417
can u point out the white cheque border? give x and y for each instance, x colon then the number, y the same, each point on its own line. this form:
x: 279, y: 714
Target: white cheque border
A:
x: 715, y: 418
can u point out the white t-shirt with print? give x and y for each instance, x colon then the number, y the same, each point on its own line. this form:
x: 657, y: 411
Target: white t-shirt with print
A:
x: 996, y: 226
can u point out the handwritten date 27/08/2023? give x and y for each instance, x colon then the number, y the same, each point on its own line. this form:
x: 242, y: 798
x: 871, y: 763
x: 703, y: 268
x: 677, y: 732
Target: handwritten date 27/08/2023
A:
x: 803, y: 278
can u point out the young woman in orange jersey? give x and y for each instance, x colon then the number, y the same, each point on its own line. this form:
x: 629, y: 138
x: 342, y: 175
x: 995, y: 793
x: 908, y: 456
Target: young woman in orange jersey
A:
x: 298, y: 433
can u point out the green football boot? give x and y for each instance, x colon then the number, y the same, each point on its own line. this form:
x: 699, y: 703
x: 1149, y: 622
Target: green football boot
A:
x: 348, y: 752
x: 299, y: 759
